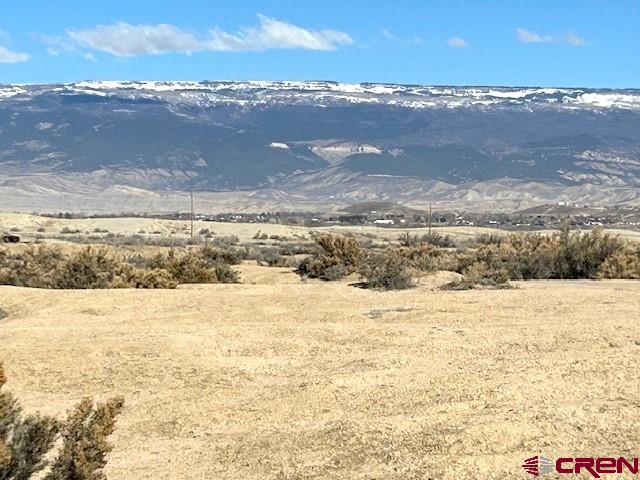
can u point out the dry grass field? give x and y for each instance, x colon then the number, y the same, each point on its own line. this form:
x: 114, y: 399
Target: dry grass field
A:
x: 282, y: 379
x: 29, y: 225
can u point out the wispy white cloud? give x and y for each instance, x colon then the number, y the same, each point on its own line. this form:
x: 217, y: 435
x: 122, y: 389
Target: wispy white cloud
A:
x: 388, y: 34
x: 574, y: 40
x: 8, y: 56
x: 527, y: 36
x: 89, y: 56
x: 274, y: 33
x: 126, y: 40
x: 56, y: 44
x: 457, y: 42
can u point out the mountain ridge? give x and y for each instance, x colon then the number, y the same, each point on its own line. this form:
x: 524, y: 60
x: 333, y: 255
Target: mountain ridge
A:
x: 316, y: 143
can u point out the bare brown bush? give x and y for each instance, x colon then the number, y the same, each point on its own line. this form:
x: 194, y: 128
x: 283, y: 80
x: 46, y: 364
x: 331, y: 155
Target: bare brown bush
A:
x: 336, y: 251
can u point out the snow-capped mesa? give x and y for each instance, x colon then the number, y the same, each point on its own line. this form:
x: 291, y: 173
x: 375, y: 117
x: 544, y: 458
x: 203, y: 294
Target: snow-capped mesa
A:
x: 321, y: 140
x: 325, y: 93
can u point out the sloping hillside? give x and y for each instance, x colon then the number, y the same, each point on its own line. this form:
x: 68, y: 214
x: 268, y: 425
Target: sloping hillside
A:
x: 296, y: 144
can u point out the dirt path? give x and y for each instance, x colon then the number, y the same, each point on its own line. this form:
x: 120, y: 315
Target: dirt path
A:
x: 327, y: 381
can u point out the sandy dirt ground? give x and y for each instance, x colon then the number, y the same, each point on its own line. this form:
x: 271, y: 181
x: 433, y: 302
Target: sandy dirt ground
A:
x: 282, y: 379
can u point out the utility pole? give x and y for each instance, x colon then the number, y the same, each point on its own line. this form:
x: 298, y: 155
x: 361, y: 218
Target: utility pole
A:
x: 191, y: 195
x: 429, y: 220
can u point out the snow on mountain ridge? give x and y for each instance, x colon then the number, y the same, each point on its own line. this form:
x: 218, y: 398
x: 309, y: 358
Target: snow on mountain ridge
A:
x: 321, y: 93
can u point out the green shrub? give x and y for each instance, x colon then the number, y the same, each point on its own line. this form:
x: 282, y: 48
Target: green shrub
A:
x: 386, y: 271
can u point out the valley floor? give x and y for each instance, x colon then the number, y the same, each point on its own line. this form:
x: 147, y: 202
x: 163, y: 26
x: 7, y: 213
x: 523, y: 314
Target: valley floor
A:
x: 280, y: 379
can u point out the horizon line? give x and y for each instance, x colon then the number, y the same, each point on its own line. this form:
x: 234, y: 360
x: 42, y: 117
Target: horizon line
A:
x: 337, y: 82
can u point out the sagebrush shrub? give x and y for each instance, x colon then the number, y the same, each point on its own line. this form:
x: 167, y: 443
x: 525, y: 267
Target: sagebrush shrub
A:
x: 213, y: 255
x: 386, y: 271
x: 91, y: 268
x: 429, y: 258
x: 290, y: 248
x: 564, y: 255
x: 335, y: 251
x: 479, y: 275
x: 35, y: 267
x: 154, y: 278
x: 195, y: 266
x: 271, y: 256
x: 622, y: 264
x: 84, y: 441
x: 87, y: 269
x: 488, y: 239
x: 27, y: 442
x: 335, y: 272
x: 345, y: 249
x: 433, y: 238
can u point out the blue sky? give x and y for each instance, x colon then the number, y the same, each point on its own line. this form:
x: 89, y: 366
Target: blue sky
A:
x: 520, y: 42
